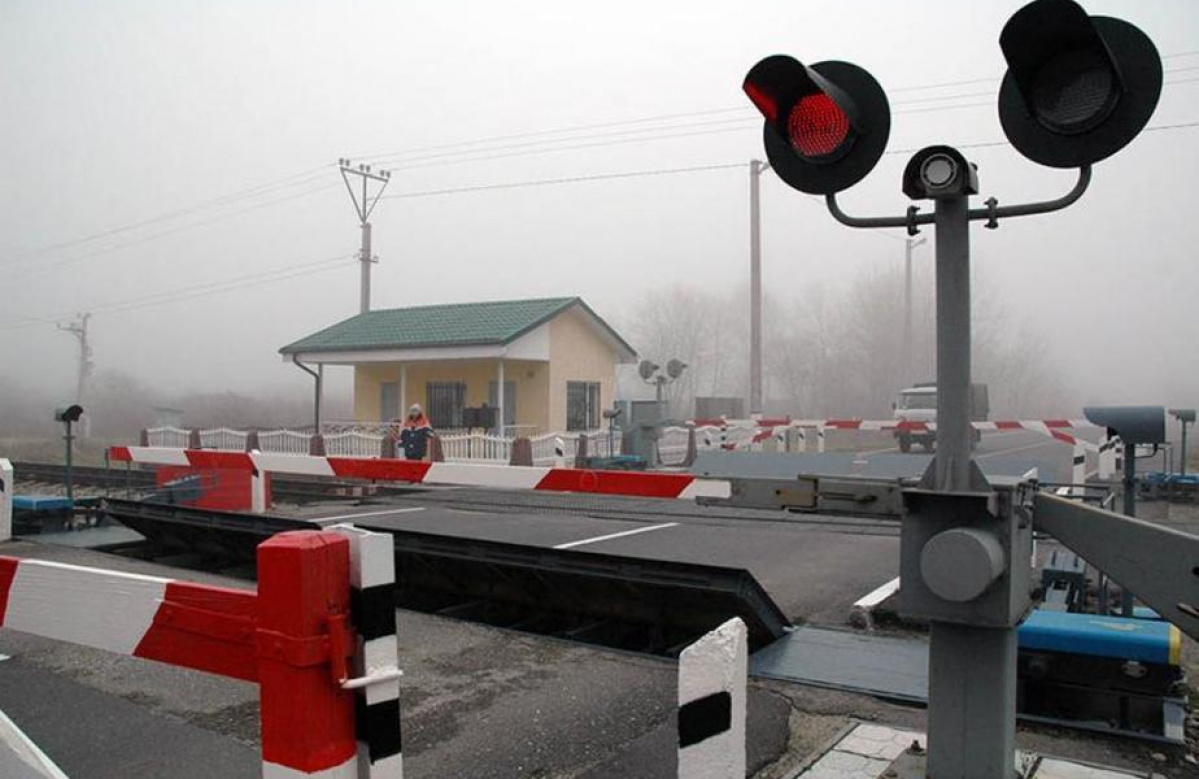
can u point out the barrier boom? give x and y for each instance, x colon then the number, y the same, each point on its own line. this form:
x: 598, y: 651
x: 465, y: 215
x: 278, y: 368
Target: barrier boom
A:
x: 631, y: 483
x: 295, y: 637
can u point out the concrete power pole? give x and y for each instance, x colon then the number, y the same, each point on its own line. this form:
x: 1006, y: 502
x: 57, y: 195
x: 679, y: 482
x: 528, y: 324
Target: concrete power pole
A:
x: 909, y: 244
x: 363, y: 207
x: 755, y: 286
x: 78, y: 328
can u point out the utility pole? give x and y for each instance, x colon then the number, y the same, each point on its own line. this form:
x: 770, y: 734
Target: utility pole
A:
x: 909, y: 244
x: 755, y: 286
x: 78, y: 328
x: 363, y: 207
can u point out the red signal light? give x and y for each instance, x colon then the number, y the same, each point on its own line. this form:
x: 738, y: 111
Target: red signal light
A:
x: 816, y: 126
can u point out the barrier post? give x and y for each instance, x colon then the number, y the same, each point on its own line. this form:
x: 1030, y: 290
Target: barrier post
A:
x: 303, y: 643
x: 258, y: 500
x: 6, y: 494
x: 377, y: 676
x: 1078, y: 471
x: 711, y: 716
x: 1107, y: 457
x: 559, y: 452
x: 692, y: 447
x: 820, y: 439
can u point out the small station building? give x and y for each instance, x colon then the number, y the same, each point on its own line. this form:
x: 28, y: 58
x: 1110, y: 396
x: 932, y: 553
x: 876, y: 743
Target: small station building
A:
x: 549, y: 364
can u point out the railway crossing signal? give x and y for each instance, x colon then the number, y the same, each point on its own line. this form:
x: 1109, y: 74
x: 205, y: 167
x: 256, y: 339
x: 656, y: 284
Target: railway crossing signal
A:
x: 1078, y: 89
x: 826, y: 125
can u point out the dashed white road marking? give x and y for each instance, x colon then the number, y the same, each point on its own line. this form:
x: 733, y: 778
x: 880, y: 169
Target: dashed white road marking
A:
x: 635, y: 531
x: 1017, y: 449
x: 369, y: 514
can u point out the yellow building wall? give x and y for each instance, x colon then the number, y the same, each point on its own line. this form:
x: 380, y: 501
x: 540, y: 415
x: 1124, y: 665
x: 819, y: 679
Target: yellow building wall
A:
x: 577, y: 353
x: 531, y: 379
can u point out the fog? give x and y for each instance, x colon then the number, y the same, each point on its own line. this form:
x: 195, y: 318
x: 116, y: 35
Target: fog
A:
x: 171, y: 168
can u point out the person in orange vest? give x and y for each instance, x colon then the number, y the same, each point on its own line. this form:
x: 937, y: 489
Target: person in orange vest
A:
x: 415, y: 434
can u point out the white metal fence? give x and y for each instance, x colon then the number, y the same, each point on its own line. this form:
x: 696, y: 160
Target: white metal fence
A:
x: 367, y: 441
x: 224, y: 438
x: 353, y: 443
x: 475, y: 447
x: 284, y: 441
x: 168, y: 436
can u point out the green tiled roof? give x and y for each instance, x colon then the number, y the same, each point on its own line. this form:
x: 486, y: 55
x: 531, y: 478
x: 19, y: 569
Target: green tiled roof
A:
x: 453, y: 324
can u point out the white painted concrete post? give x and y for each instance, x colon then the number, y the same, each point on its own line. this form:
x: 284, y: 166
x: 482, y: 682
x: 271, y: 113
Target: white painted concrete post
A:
x: 801, y: 440
x: 711, y: 717
x: 1078, y: 471
x: 559, y: 452
x: 1107, y: 457
x: 257, y: 489
x: 6, y: 495
x: 820, y: 439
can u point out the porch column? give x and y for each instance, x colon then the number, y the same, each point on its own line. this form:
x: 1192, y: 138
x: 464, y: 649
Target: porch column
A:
x: 499, y: 397
x: 404, y: 391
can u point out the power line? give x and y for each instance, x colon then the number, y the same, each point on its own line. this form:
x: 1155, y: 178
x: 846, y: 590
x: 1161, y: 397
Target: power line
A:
x: 304, y: 177
x: 56, y: 264
x: 566, y: 180
x: 194, y: 291
x: 253, y: 191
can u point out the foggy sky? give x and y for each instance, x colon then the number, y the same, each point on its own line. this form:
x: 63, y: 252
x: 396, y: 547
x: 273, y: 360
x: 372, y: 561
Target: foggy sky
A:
x: 119, y: 112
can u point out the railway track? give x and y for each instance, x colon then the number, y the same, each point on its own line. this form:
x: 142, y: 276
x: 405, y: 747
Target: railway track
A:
x: 123, y: 480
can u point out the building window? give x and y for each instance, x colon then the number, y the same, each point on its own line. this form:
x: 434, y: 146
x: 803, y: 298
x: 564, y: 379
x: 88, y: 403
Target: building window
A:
x: 582, y: 405
x: 444, y: 401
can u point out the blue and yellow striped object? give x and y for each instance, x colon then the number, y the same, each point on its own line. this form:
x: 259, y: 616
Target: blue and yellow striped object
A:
x: 1118, y: 638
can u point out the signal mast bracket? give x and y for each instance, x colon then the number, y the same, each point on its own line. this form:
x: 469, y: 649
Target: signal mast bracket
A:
x: 993, y: 212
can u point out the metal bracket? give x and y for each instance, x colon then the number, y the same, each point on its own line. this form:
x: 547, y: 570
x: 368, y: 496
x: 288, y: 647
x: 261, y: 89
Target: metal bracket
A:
x: 992, y: 213
x: 381, y: 676
x: 816, y: 494
x: 1157, y: 564
x: 912, y: 228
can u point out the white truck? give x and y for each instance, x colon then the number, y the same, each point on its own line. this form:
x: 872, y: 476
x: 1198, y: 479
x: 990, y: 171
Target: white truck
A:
x: 918, y: 404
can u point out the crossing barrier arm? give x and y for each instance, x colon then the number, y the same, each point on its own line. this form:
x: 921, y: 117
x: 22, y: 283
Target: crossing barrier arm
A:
x: 318, y: 637
x: 1157, y: 564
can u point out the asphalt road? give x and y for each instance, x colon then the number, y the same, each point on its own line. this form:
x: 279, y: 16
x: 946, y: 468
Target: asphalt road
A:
x: 813, y: 571
x: 477, y: 702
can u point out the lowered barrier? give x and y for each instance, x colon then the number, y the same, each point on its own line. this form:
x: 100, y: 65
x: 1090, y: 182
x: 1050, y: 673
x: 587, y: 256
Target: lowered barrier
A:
x: 297, y: 637
x: 646, y: 485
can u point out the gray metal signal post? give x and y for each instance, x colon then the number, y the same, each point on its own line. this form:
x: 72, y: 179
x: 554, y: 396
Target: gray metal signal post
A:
x: 1078, y: 89
x: 961, y: 536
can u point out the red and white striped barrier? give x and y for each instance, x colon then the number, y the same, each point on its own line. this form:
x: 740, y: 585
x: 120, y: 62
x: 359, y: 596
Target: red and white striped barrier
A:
x: 712, y: 704
x: 633, y: 483
x: 294, y: 637
x: 1053, y: 428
